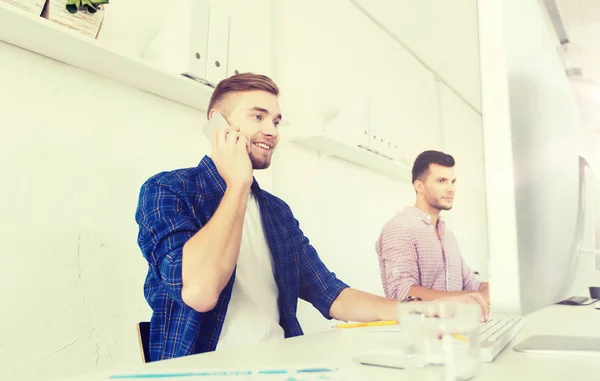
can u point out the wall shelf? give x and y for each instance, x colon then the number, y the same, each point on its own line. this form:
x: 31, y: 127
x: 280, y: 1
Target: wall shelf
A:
x: 356, y: 155
x: 46, y: 38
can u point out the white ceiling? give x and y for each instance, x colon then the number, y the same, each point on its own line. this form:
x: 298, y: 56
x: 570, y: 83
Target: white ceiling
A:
x: 581, y: 19
x: 579, y: 12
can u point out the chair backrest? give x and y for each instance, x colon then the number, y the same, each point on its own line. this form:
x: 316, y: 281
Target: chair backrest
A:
x: 143, y: 330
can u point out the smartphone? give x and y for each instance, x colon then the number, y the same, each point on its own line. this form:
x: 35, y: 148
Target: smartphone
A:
x: 216, y: 122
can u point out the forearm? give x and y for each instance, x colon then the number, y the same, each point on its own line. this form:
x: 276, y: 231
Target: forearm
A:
x: 354, y: 305
x: 210, y: 256
x: 427, y: 294
x: 484, y: 291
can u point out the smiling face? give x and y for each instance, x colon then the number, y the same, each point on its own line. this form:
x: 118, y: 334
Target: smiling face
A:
x: 256, y: 115
x: 437, y: 187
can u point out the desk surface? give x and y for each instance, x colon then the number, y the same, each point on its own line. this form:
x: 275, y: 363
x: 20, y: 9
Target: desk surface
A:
x: 337, y: 347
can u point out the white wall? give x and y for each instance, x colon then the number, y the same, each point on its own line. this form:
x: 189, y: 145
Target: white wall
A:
x: 121, y: 15
x: 497, y: 145
x: 462, y: 137
x: 74, y: 151
x: 443, y: 34
x: 344, y: 55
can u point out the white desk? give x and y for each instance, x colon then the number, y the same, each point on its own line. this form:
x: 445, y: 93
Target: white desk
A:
x: 337, y: 347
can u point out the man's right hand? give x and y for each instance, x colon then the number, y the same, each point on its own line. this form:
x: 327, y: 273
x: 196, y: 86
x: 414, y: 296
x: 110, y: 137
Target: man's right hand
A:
x: 230, y: 155
x: 484, y: 291
x: 474, y: 297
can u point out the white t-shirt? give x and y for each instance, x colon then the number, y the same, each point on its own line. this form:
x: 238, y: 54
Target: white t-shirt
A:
x: 253, y: 313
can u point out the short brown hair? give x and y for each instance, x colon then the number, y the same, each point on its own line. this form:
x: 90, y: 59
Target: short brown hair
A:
x: 239, y: 83
x: 422, y: 162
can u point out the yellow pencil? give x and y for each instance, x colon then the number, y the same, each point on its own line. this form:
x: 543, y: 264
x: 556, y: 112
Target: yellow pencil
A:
x: 460, y: 337
x: 367, y: 324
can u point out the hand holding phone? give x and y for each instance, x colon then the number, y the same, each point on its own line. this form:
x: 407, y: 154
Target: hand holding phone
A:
x: 229, y: 151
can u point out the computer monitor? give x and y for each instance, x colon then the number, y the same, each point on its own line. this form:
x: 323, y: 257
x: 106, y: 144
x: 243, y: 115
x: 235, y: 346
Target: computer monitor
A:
x: 534, y: 172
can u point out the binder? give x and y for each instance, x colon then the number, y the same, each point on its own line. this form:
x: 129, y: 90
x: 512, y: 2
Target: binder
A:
x: 218, y: 42
x: 182, y: 44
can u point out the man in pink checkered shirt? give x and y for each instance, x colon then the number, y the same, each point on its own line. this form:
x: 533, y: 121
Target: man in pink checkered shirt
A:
x: 418, y: 256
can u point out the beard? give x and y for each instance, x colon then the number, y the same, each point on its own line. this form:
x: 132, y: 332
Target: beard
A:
x: 260, y: 160
x: 259, y: 163
x: 438, y: 204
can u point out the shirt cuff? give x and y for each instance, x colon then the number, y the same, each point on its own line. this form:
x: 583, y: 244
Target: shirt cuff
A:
x: 403, y: 290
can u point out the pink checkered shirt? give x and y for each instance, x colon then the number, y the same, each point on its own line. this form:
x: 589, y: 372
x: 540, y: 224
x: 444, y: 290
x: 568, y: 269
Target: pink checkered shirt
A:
x: 410, y: 254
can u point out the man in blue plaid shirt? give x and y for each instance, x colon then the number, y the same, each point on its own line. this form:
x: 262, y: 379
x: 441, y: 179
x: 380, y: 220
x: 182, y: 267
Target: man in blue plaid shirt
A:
x: 227, y: 260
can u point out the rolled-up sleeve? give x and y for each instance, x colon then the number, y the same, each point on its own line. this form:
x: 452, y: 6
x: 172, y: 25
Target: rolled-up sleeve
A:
x: 165, y: 225
x: 318, y: 285
x: 470, y: 281
x: 398, y: 260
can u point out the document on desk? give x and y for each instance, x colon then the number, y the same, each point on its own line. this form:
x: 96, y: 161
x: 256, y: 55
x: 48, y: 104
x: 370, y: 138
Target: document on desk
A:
x: 273, y: 374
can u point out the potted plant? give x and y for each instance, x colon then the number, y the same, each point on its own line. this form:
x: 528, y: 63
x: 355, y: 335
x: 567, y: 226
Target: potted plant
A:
x: 91, y: 6
x: 82, y: 16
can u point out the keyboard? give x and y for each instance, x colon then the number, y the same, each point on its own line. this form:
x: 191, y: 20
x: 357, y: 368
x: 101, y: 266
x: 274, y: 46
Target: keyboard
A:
x: 495, y: 334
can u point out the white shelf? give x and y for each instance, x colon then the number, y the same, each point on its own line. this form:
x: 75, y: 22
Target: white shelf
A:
x: 46, y: 38
x: 356, y: 155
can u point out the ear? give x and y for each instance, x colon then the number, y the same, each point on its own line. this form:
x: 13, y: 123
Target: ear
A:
x: 419, y: 186
x: 211, y: 113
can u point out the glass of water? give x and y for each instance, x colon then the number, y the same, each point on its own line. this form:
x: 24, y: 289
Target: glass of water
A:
x: 440, y: 340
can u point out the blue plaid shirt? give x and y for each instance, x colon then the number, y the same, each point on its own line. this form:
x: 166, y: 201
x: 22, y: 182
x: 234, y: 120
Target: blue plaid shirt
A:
x: 172, y: 207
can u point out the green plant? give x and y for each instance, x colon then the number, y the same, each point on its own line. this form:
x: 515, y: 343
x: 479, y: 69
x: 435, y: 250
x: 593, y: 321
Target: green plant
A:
x: 90, y: 5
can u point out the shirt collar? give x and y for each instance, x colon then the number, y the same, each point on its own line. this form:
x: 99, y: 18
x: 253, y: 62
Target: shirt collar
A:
x: 422, y: 216
x: 216, y: 181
